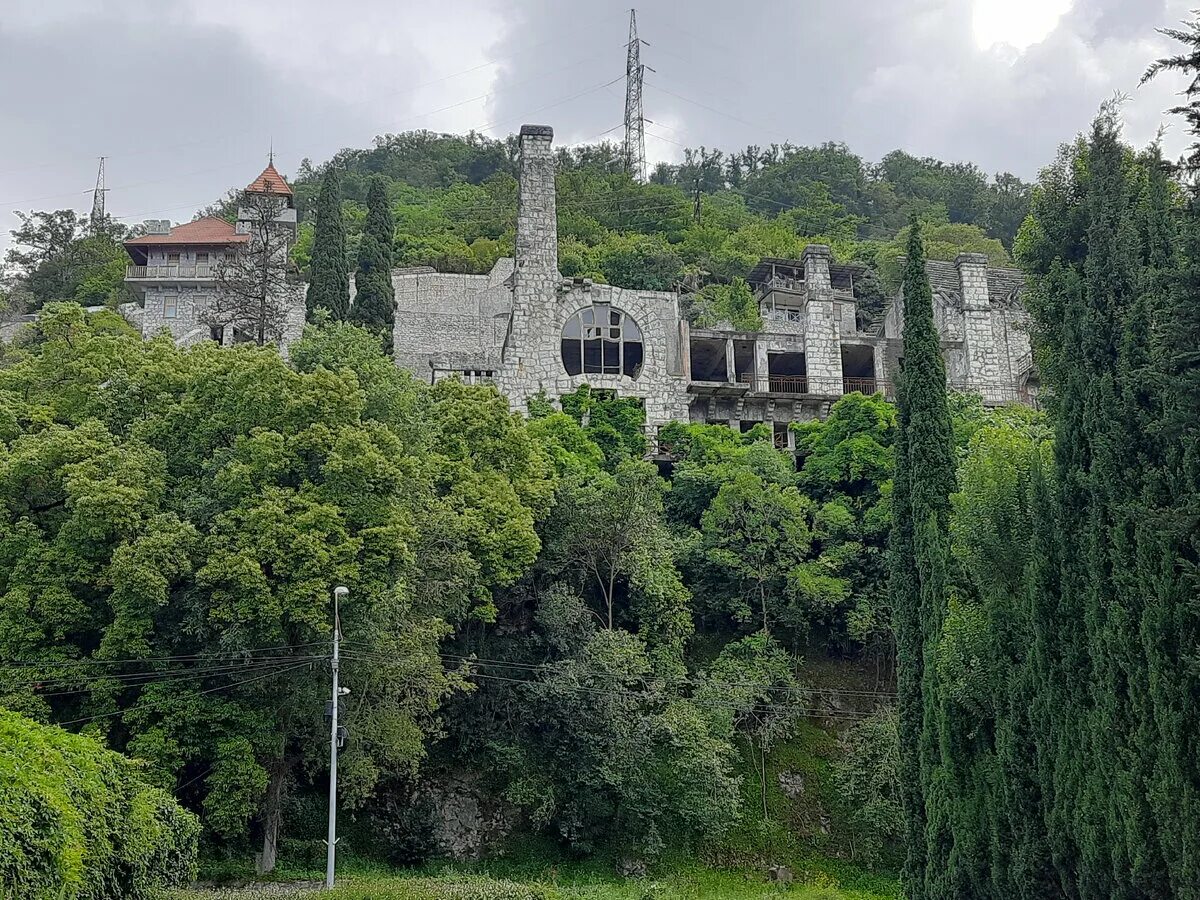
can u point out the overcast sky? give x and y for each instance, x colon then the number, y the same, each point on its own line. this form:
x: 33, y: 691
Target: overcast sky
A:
x: 184, y: 97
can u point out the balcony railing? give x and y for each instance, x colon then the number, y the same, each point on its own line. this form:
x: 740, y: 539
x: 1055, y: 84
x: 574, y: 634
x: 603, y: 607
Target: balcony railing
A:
x: 171, y: 271
x: 805, y: 384
x: 991, y: 394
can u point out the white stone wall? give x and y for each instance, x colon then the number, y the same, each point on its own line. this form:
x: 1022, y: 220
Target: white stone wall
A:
x: 984, y: 331
x: 662, y: 382
x: 822, y: 336
x: 442, y: 316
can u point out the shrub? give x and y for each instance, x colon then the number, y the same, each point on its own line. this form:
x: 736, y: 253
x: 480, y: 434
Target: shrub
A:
x: 76, y: 821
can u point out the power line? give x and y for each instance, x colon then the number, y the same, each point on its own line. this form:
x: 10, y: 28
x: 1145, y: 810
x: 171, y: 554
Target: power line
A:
x: 548, y: 667
x: 20, y: 664
x: 758, y: 706
x: 761, y: 708
x: 148, y: 678
x: 223, y: 687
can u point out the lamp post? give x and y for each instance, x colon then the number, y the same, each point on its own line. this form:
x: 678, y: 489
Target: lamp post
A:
x: 339, y: 593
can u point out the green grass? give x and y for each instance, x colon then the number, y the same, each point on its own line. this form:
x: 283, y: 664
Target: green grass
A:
x: 556, y: 884
x: 530, y: 875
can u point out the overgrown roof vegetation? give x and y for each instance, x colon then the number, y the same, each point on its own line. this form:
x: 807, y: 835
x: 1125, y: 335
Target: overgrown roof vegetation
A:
x: 455, y: 205
x: 454, y: 202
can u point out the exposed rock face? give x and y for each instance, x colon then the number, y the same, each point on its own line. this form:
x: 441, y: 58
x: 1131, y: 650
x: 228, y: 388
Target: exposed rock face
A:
x: 631, y: 868
x: 467, y: 824
x: 792, y: 784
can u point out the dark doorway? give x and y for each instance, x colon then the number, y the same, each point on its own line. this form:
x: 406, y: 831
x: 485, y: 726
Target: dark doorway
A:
x: 787, y: 373
x: 743, y: 361
x: 708, y: 360
x: 858, y: 369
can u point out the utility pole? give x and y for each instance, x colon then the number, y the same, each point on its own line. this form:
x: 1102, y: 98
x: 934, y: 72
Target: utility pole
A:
x: 339, y: 594
x: 696, y: 204
x: 96, y: 220
x: 635, y: 120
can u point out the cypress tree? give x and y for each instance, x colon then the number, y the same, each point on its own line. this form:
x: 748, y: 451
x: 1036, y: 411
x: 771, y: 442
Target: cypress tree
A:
x: 924, y: 479
x: 374, y: 295
x: 329, y: 281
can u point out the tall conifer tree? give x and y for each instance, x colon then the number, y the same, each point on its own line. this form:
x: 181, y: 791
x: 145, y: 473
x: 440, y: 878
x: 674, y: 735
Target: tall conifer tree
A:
x: 329, y: 281
x: 923, y: 482
x: 373, y: 298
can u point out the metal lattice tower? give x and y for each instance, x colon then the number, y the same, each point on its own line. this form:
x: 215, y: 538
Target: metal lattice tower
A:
x: 635, y: 120
x: 96, y: 220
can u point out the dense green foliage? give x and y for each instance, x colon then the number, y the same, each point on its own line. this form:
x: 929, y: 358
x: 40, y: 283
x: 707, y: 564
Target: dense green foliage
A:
x: 328, y: 279
x: 918, y: 557
x: 1057, y: 707
x: 174, y: 521
x: 58, y: 256
x: 454, y: 205
x: 77, y: 822
x: 373, y: 296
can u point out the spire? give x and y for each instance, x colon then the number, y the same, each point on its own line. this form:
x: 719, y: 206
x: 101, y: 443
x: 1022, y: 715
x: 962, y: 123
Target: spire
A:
x: 270, y: 180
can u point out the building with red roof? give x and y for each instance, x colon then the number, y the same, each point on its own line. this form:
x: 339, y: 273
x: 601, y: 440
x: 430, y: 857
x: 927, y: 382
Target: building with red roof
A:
x: 175, y: 270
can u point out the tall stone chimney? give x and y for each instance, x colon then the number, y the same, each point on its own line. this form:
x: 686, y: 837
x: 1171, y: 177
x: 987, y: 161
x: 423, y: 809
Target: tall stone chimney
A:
x: 983, y: 363
x: 822, y: 336
x: 537, y: 218
x: 536, y: 279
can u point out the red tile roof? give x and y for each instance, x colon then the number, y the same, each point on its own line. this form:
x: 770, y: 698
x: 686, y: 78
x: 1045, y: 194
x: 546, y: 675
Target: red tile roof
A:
x: 269, y: 179
x: 209, y: 230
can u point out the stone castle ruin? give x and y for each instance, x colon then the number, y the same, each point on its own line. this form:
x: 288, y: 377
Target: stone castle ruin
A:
x: 527, y: 329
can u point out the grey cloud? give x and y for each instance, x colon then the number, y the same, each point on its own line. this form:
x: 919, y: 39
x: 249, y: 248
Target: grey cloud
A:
x: 879, y: 76
x: 184, y: 102
x: 183, y: 111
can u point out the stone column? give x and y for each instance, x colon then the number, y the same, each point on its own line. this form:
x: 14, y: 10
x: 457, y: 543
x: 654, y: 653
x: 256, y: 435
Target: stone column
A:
x: 980, y: 354
x: 730, y: 370
x: 822, y: 334
x: 536, y: 279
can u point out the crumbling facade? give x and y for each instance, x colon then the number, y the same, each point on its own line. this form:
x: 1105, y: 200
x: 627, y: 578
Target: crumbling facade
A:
x: 176, y: 272
x: 528, y: 330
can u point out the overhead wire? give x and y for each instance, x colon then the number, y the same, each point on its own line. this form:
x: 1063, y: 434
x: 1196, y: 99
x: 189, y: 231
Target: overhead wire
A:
x: 141, y: 679
x: 758, y: 706
x: 222, y: 687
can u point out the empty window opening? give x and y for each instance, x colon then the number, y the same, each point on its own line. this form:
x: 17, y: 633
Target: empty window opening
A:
x: 746, y: 425
x: 783, y: 313
x: 858, y: 369
x: 217, y: 333
x: 787, y: 373
x: 708, y: 360
x: 600, y: 340
x: 743, y: 361
x: 780, y: 434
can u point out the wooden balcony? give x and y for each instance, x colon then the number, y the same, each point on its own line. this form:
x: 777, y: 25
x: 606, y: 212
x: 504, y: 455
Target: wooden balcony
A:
x: 171, y: 272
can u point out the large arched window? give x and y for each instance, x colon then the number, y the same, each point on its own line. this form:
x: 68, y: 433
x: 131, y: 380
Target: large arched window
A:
x: 600, y: 340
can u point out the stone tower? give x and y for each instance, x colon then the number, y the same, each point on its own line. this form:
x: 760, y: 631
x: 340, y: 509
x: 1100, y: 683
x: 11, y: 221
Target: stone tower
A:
x: 536, y: 278
x: 986, y: 367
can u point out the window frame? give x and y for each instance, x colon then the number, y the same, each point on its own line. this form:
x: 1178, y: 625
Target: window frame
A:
x: 595, y: 339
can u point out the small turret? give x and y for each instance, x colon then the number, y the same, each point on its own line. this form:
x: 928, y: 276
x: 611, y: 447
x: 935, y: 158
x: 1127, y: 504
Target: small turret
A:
x: 269, y: 187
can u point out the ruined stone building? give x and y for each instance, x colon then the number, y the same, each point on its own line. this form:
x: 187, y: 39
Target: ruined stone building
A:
x: 527, y: 329
x: 175, y: 272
